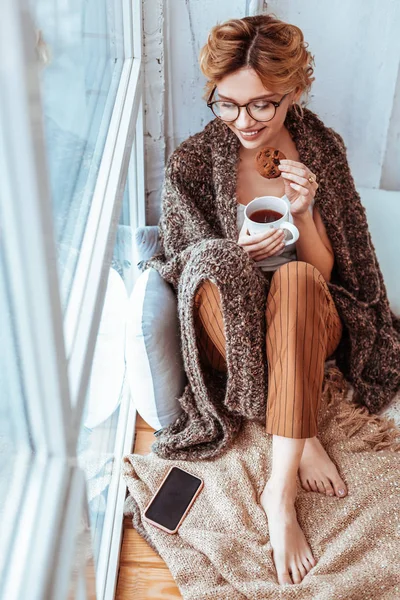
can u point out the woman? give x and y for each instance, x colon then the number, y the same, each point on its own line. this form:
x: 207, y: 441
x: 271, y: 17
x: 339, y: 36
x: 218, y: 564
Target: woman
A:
x: 257, y: 82
x: 258, y: 69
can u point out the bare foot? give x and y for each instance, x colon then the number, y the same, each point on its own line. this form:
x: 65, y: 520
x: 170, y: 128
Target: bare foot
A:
x: 291, y: 553
x: 318, y: 473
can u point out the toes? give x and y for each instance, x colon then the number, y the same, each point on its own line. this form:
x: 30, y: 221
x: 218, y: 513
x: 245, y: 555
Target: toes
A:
x: 281, y: 567
x: 320, y: 486
x: 305, y: 485
x: 307, y: 565
x: 340, y: 487
x: 303, y: 570
x: 311, y: 560
x: 312, y: 485
x: 329, y: 491
x: 284, y: 577
x: 296, y: 576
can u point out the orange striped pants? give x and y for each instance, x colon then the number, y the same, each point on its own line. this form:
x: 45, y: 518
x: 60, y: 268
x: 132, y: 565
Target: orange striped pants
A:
x: 303, y: 330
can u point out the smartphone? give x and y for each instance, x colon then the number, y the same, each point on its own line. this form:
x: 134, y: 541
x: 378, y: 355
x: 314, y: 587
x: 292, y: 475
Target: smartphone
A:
x: 173, y: 499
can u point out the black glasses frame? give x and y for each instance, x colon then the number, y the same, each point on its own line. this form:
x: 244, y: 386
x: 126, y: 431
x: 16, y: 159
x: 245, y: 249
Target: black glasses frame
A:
x: 275, y: 104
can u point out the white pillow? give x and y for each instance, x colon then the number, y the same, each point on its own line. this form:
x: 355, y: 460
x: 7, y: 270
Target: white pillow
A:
x: 153, y: 356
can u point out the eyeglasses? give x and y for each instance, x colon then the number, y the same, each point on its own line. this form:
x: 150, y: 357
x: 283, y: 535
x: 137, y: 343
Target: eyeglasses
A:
x: 259, y: 110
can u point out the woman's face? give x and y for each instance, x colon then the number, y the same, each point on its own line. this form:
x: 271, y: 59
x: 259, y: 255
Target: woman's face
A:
x: 242, y: 87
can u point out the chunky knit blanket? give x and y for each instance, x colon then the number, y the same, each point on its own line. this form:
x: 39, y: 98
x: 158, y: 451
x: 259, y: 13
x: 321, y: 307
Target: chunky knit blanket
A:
x: 198, y: 233
x: 222, y: 550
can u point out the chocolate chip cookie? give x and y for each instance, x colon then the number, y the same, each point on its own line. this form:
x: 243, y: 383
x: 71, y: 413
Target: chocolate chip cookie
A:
x: 267, y: 161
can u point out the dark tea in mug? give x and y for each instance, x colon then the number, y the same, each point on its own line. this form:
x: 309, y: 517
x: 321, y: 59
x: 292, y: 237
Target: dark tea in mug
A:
x: 265, y: 215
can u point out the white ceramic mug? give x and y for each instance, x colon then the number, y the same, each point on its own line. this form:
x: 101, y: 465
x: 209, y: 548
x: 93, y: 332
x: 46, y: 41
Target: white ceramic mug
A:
x: 272, y: 203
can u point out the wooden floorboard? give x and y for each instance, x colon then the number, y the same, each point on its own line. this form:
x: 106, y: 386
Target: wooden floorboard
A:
x: 142, y: 574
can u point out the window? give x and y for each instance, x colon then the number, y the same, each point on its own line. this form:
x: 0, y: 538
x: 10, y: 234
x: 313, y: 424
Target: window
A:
x: 72, y: 191
x: 15, y: 444
x: 79, y: 46
x: 108, y: 401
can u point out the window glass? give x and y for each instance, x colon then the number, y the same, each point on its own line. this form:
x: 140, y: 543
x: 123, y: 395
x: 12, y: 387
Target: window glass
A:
x: 15, y: 443
x: 77, y: 44
x: 82, y: 576
x: 108, y: 389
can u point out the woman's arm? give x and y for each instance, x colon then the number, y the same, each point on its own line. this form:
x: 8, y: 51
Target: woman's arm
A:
x: 313, y: 245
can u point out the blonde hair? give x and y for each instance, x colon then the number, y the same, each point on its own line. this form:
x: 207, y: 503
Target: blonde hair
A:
x: 274, y: 49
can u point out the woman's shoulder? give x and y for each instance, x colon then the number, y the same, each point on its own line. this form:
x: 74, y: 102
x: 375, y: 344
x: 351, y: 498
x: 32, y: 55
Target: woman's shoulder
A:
x: 192, y: 160
x: 195, y: 148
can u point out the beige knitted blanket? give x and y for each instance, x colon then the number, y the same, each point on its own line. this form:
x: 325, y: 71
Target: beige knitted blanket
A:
x: 222, y: 550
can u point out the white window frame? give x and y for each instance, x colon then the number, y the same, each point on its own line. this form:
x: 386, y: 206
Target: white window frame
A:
x: 57, y: 351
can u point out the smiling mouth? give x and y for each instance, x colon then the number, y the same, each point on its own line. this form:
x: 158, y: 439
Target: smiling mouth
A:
x: 250, y: 133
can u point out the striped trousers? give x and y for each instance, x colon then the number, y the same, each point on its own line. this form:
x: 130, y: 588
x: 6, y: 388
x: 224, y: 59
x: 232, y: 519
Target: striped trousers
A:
x: 303, y: 330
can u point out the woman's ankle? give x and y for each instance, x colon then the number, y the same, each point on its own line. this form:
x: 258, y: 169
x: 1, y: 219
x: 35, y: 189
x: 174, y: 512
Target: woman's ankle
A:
x: 282, y: 488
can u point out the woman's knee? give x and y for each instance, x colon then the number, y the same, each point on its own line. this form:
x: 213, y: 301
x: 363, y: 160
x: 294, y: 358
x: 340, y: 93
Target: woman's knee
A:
x: 300, y: 270
x: 207, y: 290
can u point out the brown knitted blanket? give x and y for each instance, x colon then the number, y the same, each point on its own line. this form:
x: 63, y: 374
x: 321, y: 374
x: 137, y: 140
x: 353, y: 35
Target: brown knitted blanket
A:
x: 199, y: 234
x: 222, y: 549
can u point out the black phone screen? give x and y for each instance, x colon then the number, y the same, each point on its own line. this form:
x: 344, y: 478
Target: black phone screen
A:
x: 173, y: 498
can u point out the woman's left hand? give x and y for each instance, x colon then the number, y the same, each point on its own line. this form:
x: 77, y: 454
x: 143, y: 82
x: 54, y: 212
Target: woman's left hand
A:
x: 300, y: 185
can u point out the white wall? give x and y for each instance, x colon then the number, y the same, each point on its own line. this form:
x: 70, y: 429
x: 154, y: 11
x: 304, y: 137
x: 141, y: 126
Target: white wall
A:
x: 174, y: 32
x: 357, y: 53
x: 390, y: 179
x: 356, y: 45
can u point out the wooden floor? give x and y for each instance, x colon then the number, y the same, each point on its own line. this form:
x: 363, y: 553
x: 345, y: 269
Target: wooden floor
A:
x: 142, y: 573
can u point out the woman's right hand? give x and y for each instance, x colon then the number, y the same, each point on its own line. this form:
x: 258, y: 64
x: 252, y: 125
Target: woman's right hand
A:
x: 262, y: 245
